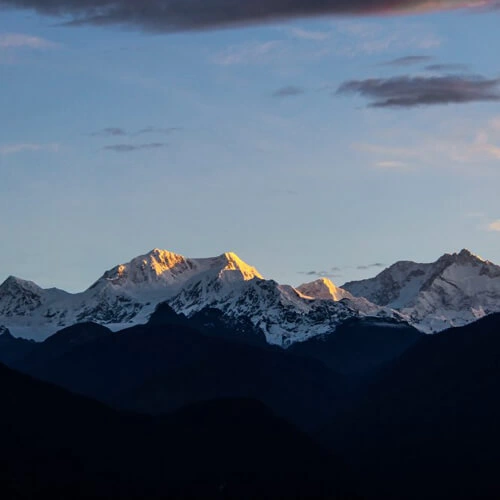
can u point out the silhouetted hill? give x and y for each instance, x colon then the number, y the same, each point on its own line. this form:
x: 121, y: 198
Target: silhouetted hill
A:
x: 359, y: 345
x: 212, y: 322
x: 13, y: 349
x: 64, y: 342
x: 161, y: 366
x: 428, y: 425
x: 59, y: 445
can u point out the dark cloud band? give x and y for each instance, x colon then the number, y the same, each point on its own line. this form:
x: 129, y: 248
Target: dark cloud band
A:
x: 407, y: 91
x: 178, y: 15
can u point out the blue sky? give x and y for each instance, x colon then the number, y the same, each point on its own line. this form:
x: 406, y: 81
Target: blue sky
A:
x: 236, y: 139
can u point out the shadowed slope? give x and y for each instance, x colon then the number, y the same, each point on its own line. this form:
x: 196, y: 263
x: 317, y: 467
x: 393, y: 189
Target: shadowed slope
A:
x: 428, y: 426
x: 65, y: 446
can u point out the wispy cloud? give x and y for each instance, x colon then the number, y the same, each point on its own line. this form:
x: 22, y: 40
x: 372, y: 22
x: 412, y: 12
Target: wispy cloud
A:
x: 23, y: 41
x: 12, y: 149
x: 391, y: 165
x: 156, y: 130
x: 121, y: 132
x: 344, y: 39
x: 366, y: 267
x: 289, y: 91
x: 371, y: 39
x: 478, y: 146
x: 129, y: 148
x: 337, y: 272
x: 109, y: 132
x: 334, y: 273
x: 249, y: 53
x: 175, y: 15
x: 410, y: 91
x: 407, y: 61
x: 494, y: 226
x: 446, y: 68
x: 385, y: 150
x: 310, y: 34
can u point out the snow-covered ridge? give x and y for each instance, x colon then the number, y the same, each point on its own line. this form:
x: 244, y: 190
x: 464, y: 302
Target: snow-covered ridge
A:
x: 129, y: 293
x: 455, y: 290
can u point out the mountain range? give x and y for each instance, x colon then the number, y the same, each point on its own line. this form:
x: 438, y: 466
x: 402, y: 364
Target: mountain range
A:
x: 194, y: 396
x: 456, y: 290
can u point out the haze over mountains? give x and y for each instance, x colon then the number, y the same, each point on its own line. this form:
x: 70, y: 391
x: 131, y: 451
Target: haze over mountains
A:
x: 455, y: 290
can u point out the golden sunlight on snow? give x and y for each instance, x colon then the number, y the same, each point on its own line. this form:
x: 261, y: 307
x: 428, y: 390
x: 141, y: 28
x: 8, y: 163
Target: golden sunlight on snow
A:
x: 234, y: 263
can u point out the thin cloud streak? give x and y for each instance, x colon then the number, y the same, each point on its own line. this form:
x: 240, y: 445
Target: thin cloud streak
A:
x: 408, y: 61
x: 391, y: 165
x: 156, y: 130
x: 249, y: 53
x: 121, y: 132
x: 479, y: 147
x: 370, y: 266
x: 182, y: 15
x: 22, y: 41
x: 322, y: 274
x: 11, y: 149
x: 494, y: 226
x: 289, y: 91
x: 444, y: 68
x: 129, y: 148
x: 316, y: 36
x: 109, y: 132
x: 409, y: 91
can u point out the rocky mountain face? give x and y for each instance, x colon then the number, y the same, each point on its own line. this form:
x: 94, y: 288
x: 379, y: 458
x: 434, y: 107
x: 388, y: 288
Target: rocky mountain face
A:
x: 129, y: 293
x: 455, y: 290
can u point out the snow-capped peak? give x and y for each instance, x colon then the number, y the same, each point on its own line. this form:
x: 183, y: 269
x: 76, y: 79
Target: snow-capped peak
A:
x: 162, y: 268
x: 229, y: 261
x: 463, y: 257
x: 154, y: 267
x: 15, y: 285
x: 323, y: 288
x: 454, y: 290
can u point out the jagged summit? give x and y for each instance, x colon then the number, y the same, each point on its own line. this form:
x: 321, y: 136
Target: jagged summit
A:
x: 464, y: 256
x: 153, y: 267
x: 15, y: 283
x: 164, y: 268
x: 323, y: 288
x: 232, y: 262
x: 452, y: 291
